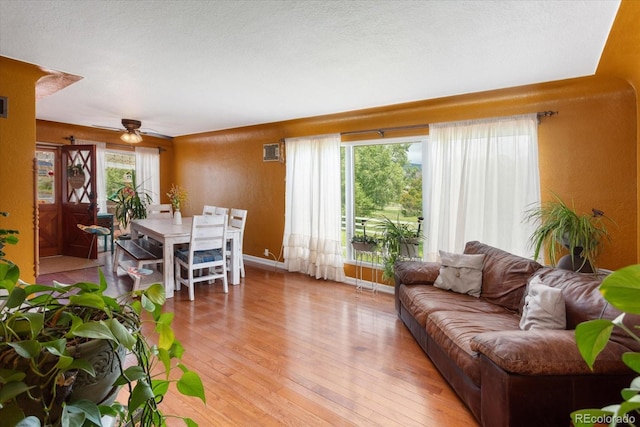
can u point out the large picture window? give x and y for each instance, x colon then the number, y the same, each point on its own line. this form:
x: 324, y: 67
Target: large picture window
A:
x: 381, y: 178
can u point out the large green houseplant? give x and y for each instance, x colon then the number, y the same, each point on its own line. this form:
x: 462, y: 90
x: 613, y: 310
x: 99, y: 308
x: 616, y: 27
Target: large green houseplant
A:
x: 399, y: 240
x: 46, y: 333
x: 622, y: 290
x: 130, y: 201
x: 558, y: 225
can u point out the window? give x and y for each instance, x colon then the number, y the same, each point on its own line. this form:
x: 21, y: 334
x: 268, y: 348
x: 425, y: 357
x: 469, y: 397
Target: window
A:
x: 120, y: 167
x: 46, y: 176
x: 381, y: 178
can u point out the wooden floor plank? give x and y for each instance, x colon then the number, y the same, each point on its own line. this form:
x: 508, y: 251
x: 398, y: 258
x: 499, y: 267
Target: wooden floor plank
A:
x: 286, y: 349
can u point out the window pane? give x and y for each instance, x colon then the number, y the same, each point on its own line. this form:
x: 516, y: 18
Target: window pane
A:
x: 387, y: 182
x: 120, y: 167
x: 46, y: 176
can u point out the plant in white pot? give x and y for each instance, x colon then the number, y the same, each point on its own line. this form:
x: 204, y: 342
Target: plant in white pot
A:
x: 363, y: 242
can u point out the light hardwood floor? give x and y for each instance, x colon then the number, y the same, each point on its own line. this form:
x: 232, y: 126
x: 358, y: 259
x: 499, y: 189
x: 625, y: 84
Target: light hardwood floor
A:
x: 285, y: 349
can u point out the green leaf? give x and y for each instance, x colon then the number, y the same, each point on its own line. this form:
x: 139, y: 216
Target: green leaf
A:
x: 72, y: 418
x: 82, y: 364
x: 190, y: 423
x: 10, y: 375
x: 57, y: 347
x: 16, y: 297
x: 86, y: 407
x: 141, y: 393
x: 592, y: 337
x: 11, y: 390
x: 622, y: 289
x: 131, y: 374
x: 156, y: 293
x: 190, y: 384
x: 122, y: 334
x: 164, y: 330
x: 160, y: 387
x: 88, y: 300
x: 97, y: 330
x: 36, y: 322
x: 27, y: 349
x: 632, y: 360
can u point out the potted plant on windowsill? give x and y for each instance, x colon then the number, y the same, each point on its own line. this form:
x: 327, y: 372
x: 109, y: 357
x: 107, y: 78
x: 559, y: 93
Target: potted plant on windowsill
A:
x: 62, y: 353
x: 130, y: 203
x: 558, y: 225
x: 400, y: 240
x: 362, y: 242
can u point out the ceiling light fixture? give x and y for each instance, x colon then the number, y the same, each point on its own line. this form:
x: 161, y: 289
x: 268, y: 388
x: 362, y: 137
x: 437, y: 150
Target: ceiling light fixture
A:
x: 131, y: 135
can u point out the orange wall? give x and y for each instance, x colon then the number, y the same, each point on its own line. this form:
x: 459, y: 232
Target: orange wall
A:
x: 17, y: 149
x: 587, y: 153
x: 621, y: 58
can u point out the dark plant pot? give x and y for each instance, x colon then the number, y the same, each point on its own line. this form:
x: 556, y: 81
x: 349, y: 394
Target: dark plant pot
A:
x: 106, y: 363
x: 575, y: 263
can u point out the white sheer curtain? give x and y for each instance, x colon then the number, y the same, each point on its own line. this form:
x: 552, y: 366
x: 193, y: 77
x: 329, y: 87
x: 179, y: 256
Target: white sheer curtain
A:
x: 312, y: 236
x: 148, y: 171
x: 479, y: 179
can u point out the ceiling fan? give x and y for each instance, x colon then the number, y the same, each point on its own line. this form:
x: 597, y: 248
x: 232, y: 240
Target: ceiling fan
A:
x: 131, y: 131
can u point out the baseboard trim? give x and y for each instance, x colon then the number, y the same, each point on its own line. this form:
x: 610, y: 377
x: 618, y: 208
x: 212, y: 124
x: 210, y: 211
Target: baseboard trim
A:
x: 277, y: 265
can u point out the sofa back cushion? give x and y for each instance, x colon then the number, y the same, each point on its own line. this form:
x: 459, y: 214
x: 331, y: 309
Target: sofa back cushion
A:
x: 583, y: 301
x: 504, y: 275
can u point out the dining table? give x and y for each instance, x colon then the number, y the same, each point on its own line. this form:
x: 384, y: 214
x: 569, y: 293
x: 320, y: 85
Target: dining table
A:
x: 169, y: 235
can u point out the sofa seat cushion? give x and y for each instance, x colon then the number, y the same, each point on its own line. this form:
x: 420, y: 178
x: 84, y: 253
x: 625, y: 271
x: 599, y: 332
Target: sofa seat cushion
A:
x: 545, y: 352
x: 504, y: 275
x: 453, y: 331
x: 422, y: 300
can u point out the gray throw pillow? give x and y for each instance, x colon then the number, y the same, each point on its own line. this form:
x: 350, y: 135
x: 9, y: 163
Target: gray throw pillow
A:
x: 460, y: 273
x: 543, y: 307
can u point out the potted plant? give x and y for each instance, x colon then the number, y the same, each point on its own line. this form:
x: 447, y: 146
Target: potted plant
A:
x: 622, y: 290
x: 558, y: 225
x: 7, y: 237
x: 130, y: 203
x: 362, y: 242
x: 63, y: 347
x: 46, y: 369
x: 400, y: 240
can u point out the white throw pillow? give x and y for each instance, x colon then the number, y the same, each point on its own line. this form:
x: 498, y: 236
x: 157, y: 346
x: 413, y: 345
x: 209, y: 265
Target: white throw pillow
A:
x: 460, y: 273
x: 543, y: 307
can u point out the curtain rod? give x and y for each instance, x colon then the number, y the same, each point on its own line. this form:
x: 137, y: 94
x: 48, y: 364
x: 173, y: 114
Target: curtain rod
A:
x: 382, y: 131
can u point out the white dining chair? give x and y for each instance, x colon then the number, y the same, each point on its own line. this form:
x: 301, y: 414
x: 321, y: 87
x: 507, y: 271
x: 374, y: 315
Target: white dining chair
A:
x: 206, y: 252
x: 238, y: 219
x: 159, y: 211
x: 214, y: 210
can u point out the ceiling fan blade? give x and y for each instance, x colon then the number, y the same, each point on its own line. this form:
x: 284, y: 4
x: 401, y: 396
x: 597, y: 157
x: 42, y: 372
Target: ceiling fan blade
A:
x: 157, y: 135
x: 109, y: 128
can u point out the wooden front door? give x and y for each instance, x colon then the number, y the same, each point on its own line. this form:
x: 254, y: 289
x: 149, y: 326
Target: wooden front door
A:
x: 78, y: 200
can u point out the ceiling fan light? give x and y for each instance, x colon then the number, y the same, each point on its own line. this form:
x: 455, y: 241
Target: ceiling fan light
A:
x: 132, y: 137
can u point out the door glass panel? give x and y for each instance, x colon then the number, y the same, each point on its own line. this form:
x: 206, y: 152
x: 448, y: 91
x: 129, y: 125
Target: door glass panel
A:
x: 46, y: 176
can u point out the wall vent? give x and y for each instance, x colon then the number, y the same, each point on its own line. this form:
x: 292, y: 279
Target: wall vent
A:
x: 271, y: 152
x: 3, y: 106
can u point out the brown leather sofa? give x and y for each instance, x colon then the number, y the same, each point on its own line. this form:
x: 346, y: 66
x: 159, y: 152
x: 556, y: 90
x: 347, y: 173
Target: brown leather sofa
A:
x: 505, y: 375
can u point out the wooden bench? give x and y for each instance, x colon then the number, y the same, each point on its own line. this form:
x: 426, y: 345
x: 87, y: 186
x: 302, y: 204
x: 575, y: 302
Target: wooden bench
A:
x: 140, y: 252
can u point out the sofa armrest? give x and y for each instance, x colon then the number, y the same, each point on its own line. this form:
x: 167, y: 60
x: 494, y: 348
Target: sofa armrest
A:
x: 413, y: 273
x: 545, y: 352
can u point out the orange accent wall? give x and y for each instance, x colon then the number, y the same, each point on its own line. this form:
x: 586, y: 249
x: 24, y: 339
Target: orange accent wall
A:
x: 621, y: 58
x: 587, y: 154
x: 17, y: 150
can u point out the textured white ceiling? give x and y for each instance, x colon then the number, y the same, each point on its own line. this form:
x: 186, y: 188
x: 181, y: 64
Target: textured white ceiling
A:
x: 184, y: 67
